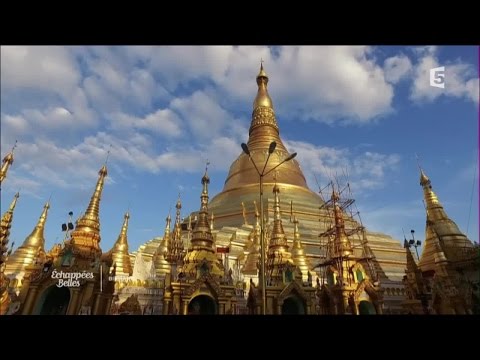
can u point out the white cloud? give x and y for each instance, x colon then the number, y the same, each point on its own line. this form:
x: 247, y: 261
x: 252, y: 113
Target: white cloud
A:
x: 162, y: 122
x: 50, y: 68
x: 367, y: 170
x: 318, y: 82
x: 206, y: 118
x: 460, y: 80
x: 397, y: 68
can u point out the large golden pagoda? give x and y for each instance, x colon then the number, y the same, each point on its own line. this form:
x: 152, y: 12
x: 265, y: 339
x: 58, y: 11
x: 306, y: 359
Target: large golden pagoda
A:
x: 235, y: 212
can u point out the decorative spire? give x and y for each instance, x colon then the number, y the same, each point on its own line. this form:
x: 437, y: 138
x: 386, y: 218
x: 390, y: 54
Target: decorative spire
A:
x: 5, y: 225
x: 86, y: 235
x: 162, y: 266
x: 341, y: 243
x: 439, y: 229
x: 298, y: 252
x: 174, y: 248
x: 6, y: 162
x: 262, y: 99
x: 202, y: 236
x: 119, y: 252
x: 278, y: 255
x: 204, y: 196
x: 32, y: 251
x: 202, y: 246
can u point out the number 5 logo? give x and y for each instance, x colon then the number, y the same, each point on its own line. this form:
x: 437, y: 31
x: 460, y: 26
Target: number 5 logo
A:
x: 437, y: 77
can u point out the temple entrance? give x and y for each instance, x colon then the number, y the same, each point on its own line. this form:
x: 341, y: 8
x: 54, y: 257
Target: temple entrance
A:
x: 293, y: 305
x: 366, y: 308
x: 202, y: 305
x: 54, y: 301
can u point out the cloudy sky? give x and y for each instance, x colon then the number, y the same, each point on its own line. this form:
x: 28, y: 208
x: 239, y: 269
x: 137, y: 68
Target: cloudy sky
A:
x: 164, y: 110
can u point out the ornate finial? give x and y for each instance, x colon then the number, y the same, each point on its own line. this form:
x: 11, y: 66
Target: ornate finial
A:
x: 262, y: 99
x: 205, y: 182
x: 178, y: 205
x: 262, y: 73
x: 424, y: 180
x: 108, y: 154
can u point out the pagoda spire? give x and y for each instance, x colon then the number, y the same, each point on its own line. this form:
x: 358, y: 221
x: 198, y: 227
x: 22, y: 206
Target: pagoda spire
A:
x: 341, y: 243
x: 298, y: 251
x: 5, y: 225
x: 32, y: 250
x: 86, y: 235
x: 439, y: 229
x: 202, y: 249
x: 175, y: 247
x: 262, y: 98
x: 162, y: 266
x: 278, y: 256
x: 6, y: 162
x: 202, y: 235
x: 119, y: 251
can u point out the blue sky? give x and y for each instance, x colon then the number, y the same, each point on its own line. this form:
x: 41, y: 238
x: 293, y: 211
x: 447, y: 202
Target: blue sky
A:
x: 165, y: 110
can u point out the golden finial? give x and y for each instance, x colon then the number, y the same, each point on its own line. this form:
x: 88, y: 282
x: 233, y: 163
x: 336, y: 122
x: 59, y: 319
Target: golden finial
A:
x: 262, y: 72
x: 205, y: 182
x: 262, y: 99
x: 7, y: 161
x: 424, y: 180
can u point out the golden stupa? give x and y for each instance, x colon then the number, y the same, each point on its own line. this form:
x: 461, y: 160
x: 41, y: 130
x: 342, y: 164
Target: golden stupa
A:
x: 234, y: 208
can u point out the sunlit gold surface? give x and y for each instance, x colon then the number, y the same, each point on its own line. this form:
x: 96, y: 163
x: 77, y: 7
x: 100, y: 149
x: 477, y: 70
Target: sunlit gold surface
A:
x: 202, y: 247
x: 298, y: 252
x: 242, y: 185
x: 6, y: 162
x: 119, y: 252
x: 175, y: 248
x: 278, y: 256
x: 5, y: 225
x: 341, y: 244
x: 86, y: 236
x: 439, y: 227
x: 32, y: 249
x: 161, y: 264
